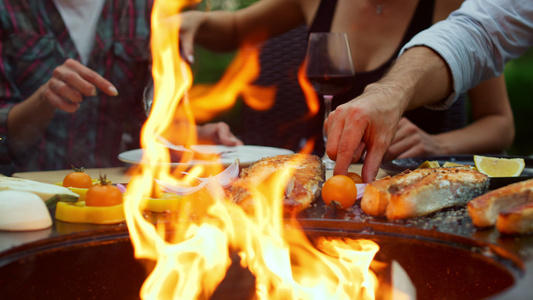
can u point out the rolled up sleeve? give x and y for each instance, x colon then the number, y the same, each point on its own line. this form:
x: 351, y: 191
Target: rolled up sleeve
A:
x: 478, y: 39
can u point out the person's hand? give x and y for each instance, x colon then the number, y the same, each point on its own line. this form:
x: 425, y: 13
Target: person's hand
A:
x: 70, y: 82
x: 189, y: 22
x: 365, y: 123
x: 218, y: 133
x: 411, y: 141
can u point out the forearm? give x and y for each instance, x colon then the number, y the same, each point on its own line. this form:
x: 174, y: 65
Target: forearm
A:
x: 492, y: 134
x: 420, y: 76
x: 217, y: 30
x: 223, y: 31
x: 477, y: 39
x: 27, y: 121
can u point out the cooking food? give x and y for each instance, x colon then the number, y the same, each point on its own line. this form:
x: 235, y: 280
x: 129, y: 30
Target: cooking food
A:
x: 516, y: 220
x: 80, y: 213
x: 422, y: 191
x: 78, y: 179
x: 377, y: 194
x: 506, y: 201
x: 49, y: 193
x: 103, y: 194
x: 355, y: 177
x: 302, y: 189
x: 21, y: 211
x: 340, y: 190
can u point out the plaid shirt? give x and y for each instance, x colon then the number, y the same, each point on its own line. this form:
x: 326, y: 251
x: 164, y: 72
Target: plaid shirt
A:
x: 34, y: 41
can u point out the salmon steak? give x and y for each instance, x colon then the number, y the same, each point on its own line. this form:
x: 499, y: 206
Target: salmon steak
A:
x: 506, y: 205
x: 517, y: 220
x: 422, y: 192
x: 307, y: 174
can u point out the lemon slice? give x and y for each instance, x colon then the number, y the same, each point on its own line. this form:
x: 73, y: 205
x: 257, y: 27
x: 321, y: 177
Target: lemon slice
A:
x: 499, y: 167
x: 451, y: 164
x: 456, y: 165
x: 429, y: 164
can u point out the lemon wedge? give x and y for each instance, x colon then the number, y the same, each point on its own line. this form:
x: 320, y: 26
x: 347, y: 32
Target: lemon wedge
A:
x: 499, y: 167
x: 451, y: 165
x: 429, y: 164
x: 456, y: 165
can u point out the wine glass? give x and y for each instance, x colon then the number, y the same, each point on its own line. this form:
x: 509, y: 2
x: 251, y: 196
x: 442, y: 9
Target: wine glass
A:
x: 329, y: 68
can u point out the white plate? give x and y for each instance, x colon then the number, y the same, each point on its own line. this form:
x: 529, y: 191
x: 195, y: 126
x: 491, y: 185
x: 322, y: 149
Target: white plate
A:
x: 246, y: 154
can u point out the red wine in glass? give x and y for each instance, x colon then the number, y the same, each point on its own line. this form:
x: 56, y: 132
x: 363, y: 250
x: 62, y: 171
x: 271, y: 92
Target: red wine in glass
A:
x: 329, y: 68
x: 331, y: 84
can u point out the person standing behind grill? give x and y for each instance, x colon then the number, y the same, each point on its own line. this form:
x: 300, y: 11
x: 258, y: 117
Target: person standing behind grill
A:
x: 72, y: 75
x: 376, y: 31
x: 471, y: 45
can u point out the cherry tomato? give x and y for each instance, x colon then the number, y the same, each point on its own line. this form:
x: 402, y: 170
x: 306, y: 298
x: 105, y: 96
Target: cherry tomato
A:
x: 103, y: 194
x: 341, y: 190
x: 355, y: 177
x: 78, y: 179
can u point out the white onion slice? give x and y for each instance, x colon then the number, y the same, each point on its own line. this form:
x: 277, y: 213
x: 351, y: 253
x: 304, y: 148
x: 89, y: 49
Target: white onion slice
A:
x: 121, y: 187
x: 360, y: 189
x: 179, y: 189
x: 224, y: 179
x: 229, y: 175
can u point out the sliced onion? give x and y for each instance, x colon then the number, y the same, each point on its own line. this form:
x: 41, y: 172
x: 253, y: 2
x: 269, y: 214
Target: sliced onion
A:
x: 169, y: 145
x: 224, y: 179
x: 360, y: 189
x: 121, y: 187
x: 229, y: 175
x: 179, y: 189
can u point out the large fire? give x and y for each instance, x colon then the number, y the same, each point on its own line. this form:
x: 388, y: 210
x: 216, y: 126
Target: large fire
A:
x: 193, y: 250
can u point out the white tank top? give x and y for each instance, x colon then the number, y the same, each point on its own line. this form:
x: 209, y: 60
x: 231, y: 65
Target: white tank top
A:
x: 81, y: 17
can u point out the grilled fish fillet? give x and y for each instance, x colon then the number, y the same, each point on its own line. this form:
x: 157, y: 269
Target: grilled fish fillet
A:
x: 423, y: 191
x: 484, y: 210
x: 303, y: 188
x: 516, y: 220
x: 377, y: 195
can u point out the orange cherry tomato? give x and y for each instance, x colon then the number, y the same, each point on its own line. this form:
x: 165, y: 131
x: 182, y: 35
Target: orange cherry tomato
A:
x: 78, y: 179
x: 103, y: 194
x: 355, y: 177
x: 340, y: 190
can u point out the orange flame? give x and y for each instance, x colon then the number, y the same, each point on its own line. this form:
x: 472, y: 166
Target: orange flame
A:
x: 237, y: 80
x: 193, y: 247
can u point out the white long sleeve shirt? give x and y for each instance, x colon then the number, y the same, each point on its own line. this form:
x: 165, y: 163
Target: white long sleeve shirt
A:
x: 478, y: 39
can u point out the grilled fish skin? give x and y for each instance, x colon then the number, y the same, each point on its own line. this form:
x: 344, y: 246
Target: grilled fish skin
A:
x: 302, y: 189
x: 377, y: 194
x: 444, y: 188
x: 484, y: 210
x: 423, y: 191
x: 517, y: 220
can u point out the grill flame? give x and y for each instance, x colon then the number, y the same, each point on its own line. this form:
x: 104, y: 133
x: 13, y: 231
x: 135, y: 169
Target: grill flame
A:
x: 192, y: 247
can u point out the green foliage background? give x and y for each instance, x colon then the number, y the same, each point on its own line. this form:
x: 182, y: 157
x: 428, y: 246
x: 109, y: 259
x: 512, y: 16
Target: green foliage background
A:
x: 519, y: 80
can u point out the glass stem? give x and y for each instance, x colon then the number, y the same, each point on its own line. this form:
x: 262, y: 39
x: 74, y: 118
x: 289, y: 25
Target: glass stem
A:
x: 327, y: 110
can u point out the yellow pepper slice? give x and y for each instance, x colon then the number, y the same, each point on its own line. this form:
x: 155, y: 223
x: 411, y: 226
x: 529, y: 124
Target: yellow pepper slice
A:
x: 167, y: 202
x: 80, y: 191
x: 79, y: 213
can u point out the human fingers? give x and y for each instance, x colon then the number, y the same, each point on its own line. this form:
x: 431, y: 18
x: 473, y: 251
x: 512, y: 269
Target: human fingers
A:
x: 374, y: 156
x: 345, y: 131
x: 188, y: 26
x: 52, y: 95
x: 403, y: 140
x: 83, y: 79
x: 225, y: 136
x: 399, y: 147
